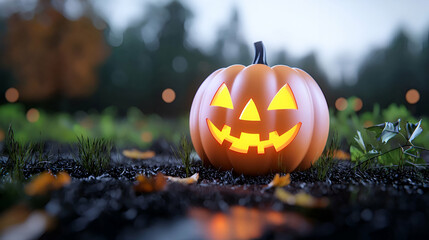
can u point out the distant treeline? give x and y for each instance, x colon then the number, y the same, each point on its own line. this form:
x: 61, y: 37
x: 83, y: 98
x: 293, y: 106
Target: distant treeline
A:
x: 62, y: 64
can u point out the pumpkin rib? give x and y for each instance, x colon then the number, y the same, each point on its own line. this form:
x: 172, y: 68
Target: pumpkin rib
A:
x: 250, y: 79
x: 194, y: 116
x: 231, y: 72
x: 292, y: 74
x: 275, y: 161
x: 321, y: 122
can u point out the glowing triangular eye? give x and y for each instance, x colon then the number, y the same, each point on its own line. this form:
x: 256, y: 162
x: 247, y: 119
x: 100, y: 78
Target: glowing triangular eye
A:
x: 284, y: 99
x: 250, y: 112
x: 222, y: 98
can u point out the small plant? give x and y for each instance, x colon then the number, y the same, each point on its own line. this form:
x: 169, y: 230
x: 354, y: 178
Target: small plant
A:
x: 388, y: 144
x: 18, y: 156
x: 93, y: 154
x: 39, y: 152
x: 326, y: 162
x: 183, y: 152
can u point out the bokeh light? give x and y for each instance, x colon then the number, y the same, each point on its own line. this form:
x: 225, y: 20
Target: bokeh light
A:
x: 33, y: 115
x: 2, y: 135
x: 358, y: 104
x: 168, y: 95
x: 146, y: 137
x: 341, y: 104
x: 87, y: 122
x: 12, y: 95
x: 180, y: 64
x: 412, y: 96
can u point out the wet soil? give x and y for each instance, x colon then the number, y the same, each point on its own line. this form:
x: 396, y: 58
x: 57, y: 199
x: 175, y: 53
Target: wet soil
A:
x: 388, y: 203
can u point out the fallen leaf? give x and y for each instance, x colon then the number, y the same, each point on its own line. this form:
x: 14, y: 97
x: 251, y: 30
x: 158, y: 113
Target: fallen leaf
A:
x: 301, y: 199
x: 150, y: 184
x: 46, y: 182
x: 19, y: 222
x: 279, y: 181
x: 63, y: 179
x: 136, y: 154
x: 188, y: 180
x: 14, y: 215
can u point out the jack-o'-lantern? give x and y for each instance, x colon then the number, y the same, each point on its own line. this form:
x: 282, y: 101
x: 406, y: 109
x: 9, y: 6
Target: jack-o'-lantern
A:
x: 259, y: 119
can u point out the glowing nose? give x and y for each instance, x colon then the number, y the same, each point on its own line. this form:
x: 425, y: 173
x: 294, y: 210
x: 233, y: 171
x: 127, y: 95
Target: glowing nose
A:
x: 250, y: 112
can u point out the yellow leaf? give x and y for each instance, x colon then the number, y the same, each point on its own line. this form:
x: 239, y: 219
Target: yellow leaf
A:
x: 136, y: 154
x: 300, y: 199
x: 188, y: 180
x: 150, y: 184
x: 279, y: 181
x: 46, y: 182
x: 285, y: 196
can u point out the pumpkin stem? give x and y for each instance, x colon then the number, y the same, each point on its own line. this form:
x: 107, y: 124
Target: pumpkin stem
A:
x: 260, y: 57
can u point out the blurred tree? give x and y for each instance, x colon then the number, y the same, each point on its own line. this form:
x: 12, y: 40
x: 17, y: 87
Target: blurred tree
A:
x: 6, y: 80
x: 387, y: 73
x: 155, y: 55
x: 175, y: 62
x: 423, y: 64
x: 52, y: 56
x: 230, y: 47
x: 282, y: 58
x: 125, y: 76
x: 309, y: 64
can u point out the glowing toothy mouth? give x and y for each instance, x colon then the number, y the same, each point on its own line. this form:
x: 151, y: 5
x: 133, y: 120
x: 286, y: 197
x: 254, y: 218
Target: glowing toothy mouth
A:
x: 247, y: 140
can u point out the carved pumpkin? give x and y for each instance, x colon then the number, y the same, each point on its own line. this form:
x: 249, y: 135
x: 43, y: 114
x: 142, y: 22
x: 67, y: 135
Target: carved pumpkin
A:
x: 259, y: 119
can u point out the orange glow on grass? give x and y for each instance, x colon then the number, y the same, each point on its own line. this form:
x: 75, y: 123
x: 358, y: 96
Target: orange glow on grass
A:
x: 341, y: 104
x: 33, y: 115
x: 168, y: 95
x: 368, y: 123
x: 412, y: 96
x: 341, y: 155
x: 146, y: 137
x: 2, y: 135
x: 12, y: 95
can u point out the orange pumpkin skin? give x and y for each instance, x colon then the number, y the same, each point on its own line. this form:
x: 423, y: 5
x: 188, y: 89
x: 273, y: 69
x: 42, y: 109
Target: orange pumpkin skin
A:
x: 259, y: 82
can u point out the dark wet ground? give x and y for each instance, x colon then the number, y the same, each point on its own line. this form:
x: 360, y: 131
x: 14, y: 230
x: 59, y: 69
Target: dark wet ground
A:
x: 388, y: 203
